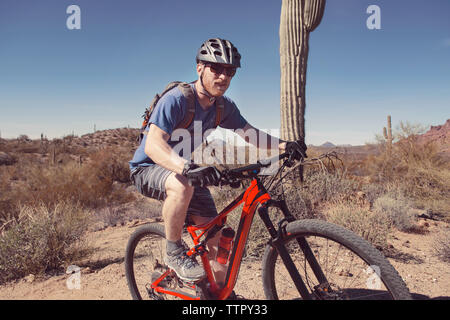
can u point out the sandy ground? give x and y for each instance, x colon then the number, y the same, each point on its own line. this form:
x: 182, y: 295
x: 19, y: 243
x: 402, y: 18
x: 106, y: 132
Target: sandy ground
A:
x: 103, y: 277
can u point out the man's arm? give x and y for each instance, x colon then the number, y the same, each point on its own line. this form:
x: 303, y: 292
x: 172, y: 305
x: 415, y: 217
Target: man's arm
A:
x: 260, y: 139
x: 157, y: 148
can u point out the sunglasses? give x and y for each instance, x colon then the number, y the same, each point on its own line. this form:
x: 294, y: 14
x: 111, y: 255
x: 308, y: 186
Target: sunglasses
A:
x: 219, y: 69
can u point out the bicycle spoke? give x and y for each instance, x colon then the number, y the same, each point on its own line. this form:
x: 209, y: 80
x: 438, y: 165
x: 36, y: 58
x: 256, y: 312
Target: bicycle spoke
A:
x: 148, y: 267
x: 347, y: 274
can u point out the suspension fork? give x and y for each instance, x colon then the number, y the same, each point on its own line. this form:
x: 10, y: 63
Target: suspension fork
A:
x: 284, y: 254
x: 309, y: 255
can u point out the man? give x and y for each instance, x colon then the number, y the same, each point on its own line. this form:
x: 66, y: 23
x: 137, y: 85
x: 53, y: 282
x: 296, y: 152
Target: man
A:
x: 159, y: 172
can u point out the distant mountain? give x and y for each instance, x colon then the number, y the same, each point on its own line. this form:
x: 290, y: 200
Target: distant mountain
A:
x: 328, y: 145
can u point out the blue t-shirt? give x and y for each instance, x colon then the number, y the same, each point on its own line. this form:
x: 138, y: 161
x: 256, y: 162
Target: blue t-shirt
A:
x: 171, y: 110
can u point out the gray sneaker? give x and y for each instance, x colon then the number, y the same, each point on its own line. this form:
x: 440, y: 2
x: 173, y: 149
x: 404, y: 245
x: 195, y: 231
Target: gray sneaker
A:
x: 186, y: 268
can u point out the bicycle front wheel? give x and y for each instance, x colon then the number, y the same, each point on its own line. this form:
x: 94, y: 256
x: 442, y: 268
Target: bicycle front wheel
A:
x: 348, y: 267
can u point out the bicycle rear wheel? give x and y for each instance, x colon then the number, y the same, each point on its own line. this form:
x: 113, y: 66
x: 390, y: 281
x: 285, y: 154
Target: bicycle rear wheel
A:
x: 353, y: 268
x: 144, y: 263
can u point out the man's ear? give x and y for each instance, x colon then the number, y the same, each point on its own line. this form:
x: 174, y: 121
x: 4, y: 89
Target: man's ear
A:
x: 200, y: 68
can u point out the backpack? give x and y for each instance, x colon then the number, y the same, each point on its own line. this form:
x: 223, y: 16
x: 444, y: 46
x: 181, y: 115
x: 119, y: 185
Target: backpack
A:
x: 188, y: 92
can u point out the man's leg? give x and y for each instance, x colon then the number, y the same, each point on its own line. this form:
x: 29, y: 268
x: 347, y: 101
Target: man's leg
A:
x: 178, y: 197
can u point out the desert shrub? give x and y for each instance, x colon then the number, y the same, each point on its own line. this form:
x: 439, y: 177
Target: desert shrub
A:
x: 397, y: 209
x: 112, y: 163
x: 31, y: 147
x: 7, y: 159
x: 88, y: 185
x: 7, y: 201
x: 414, y: 166
x: 373, y: 191
x: 325, y: 186
x: 441, y: 246
x: 303, y: 199
x: 23, y: 137
x: 70, y: 182
x: 372, y: 226
x: 42, y: 239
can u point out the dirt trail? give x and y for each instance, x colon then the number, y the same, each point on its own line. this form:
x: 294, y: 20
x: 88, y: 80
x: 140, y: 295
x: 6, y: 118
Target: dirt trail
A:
x: 103, y: 277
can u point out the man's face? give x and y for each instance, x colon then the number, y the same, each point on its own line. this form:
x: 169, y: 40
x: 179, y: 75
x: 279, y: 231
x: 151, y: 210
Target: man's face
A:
x: 216, y: 77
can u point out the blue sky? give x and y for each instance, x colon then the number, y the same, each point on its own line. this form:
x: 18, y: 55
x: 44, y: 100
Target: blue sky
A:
x: 57, y: 81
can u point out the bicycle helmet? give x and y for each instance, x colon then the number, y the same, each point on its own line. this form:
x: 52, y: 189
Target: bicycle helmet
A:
x: 219, y: 51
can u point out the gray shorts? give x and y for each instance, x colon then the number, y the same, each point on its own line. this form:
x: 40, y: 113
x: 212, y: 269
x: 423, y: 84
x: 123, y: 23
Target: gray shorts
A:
x: 150, y: 181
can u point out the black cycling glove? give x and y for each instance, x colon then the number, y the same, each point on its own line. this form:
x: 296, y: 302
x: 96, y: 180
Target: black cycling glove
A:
x: 297, y: 148
x: 201, y: 176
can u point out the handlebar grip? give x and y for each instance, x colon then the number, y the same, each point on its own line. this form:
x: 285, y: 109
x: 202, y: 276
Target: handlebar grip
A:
x: 201, y: 183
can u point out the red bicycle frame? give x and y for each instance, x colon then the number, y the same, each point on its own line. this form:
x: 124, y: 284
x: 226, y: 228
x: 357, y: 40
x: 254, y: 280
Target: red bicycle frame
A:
x: 255, y: 194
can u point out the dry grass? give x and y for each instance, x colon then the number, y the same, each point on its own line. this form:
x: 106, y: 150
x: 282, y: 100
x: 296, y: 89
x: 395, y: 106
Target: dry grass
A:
x: 370, y: 225
x: 47, y: 200
x: 442, y: 246
x: 397, y: 210
x: 42, y: 239
x: 91, y: 185
x: 414, y: 167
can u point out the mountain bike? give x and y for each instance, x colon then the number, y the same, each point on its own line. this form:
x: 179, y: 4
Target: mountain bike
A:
x: 306, y: 259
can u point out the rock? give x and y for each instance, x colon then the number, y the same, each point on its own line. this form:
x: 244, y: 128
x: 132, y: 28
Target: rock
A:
x: 86, y: 270
x: 427, y: 214
x: 345, y: 273
x: 440, y: 136
x: 360, y: 195
x: 30, y: 278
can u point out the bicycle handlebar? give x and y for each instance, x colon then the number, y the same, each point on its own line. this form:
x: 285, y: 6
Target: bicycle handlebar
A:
x: 232, y: 177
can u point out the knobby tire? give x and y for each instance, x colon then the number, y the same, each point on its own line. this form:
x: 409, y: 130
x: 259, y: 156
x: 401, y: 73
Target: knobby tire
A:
x: 359, y: 281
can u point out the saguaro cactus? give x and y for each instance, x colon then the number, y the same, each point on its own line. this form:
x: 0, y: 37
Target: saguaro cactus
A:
x: 388, y: 136
x: 298, y: 19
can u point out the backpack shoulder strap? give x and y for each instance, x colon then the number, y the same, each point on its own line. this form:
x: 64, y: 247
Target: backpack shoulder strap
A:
x: 148, y: 111
x: 220, y: 108
x: 188, y: 92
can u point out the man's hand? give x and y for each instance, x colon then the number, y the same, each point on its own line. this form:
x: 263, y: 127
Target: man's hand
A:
x: 297, y: 148
x: 201, y: 176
